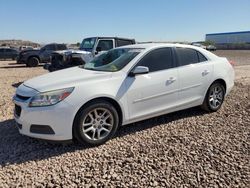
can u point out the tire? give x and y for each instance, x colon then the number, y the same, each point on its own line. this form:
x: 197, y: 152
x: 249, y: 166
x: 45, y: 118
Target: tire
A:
x: 96, y: 120
x: 33, y: 62
x: 214, y: 97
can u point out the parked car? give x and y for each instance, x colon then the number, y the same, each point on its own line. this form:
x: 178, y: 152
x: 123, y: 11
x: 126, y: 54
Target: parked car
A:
x: 21, y: 48
x: 89, y: 48
x: 33, y: 58
x: 119, y: 87
x: 211, y: 48
x: 8, y: 53
x: 199, y: 45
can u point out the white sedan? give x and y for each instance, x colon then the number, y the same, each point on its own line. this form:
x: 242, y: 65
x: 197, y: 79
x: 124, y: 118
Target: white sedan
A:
x: 121, y: 86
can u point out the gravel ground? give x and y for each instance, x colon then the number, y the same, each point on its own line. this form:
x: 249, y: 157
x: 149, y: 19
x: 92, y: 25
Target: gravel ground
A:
x: 240, y: 57
x: 190, y: 148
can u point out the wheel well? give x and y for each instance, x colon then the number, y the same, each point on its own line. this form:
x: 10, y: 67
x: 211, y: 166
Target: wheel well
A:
x: 221, y: 81
x: 34, y: 56
x: 112, y: 101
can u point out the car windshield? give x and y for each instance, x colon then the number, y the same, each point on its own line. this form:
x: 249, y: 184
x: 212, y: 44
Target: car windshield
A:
x: 87, y: 44
x: 113, y: 60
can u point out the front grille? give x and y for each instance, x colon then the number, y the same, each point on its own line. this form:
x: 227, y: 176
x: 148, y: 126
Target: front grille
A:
x: 24, y: 98
x: 18, y: 110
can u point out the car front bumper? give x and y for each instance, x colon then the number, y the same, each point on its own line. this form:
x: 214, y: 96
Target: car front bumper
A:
x: 49, y: 123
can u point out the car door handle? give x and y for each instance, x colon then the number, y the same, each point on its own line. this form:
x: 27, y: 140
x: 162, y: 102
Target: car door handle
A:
x: 205, y: 72
x: 170, y: 80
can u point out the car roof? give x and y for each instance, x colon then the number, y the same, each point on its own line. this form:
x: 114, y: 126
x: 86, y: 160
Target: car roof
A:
x: 149, y: 46
x: 108, y: 37
x: 153, y: 45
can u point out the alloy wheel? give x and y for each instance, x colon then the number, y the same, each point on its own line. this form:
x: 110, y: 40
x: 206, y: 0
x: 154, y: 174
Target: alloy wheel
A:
x: 98, y: 124
x: 216, y: 96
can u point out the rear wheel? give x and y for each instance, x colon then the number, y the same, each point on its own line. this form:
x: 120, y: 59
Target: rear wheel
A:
x: 214, y: 97
x: 96, y: 123
x: 33, y: 62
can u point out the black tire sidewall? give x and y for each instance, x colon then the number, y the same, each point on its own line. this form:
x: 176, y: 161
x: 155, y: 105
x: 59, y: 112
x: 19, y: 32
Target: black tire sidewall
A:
x: 33, y: 62
x: 77, y: 128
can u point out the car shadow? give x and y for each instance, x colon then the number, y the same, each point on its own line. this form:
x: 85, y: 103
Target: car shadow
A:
x: 17, y: 149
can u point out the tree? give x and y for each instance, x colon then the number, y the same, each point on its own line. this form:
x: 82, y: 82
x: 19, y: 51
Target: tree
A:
x: 208, y: 42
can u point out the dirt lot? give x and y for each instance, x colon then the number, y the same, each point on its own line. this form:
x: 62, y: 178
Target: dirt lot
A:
x: 190, y: 148
x: 240, y: 57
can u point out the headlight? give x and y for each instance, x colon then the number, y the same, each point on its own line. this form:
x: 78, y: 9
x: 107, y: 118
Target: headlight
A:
x: 50, y: 98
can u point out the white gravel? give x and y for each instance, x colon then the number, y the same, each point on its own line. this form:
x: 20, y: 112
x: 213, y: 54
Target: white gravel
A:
x: 190, y: 148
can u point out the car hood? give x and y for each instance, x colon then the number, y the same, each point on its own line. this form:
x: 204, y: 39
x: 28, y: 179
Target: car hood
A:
x: 71, y: 51
x: 29, y: 51
x: 65, y: 78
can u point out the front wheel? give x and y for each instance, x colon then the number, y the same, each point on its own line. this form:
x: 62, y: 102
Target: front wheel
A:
x: 214, y: 97
x: 96, y: 123
x: 33, y: 62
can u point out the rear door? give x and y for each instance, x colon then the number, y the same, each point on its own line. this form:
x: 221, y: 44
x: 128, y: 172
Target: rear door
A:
x: 195, y: 73
x: 155, y: 92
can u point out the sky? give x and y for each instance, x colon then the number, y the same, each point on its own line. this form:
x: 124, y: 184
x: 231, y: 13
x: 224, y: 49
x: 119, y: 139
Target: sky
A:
x: 69, y: 21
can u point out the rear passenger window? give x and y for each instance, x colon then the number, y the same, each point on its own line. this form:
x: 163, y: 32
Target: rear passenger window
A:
x: 50, y: 47
x: 61, y: 47
x: 121, y: 42
x: 186, y: 56
x: 159, y: 59
x: 202, y: 58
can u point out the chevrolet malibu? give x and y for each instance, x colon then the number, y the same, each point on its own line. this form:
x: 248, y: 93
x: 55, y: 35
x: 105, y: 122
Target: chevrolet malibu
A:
x: 124, y: 85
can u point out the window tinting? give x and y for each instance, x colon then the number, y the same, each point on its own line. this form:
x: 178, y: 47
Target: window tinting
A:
x: 50, y: 47
x: 186, y: 56
x: 202, y: 58
x: 105, y: 45
x: 61, y: 47
x: 159, y: 59
x: 121, y: 42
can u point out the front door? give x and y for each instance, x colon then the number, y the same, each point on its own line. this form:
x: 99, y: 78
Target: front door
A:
x: 153, y: 93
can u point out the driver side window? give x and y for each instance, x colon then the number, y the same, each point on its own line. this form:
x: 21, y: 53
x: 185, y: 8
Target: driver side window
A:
x: 105, y: 45
x: 158, y: 59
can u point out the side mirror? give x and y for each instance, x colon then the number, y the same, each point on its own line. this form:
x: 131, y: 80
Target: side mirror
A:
x: 98, y: 49
x: 139, y: 70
